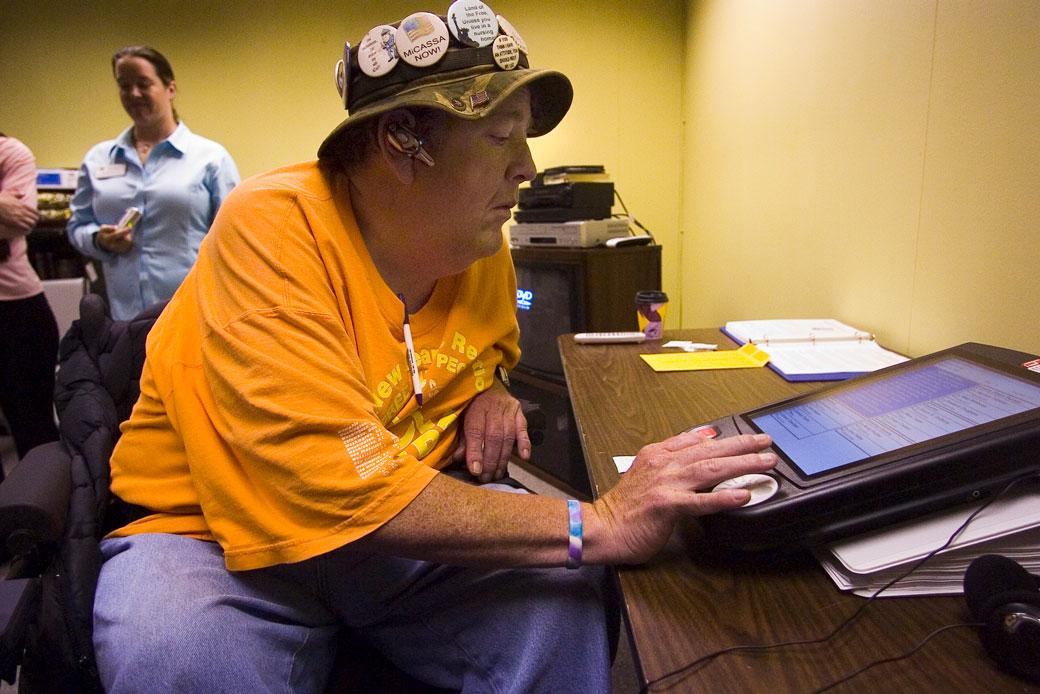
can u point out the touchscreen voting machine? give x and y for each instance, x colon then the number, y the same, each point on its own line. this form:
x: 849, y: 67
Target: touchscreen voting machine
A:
x: 909, y: 439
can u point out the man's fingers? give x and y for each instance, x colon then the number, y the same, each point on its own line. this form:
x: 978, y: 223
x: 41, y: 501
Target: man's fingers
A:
x: 706, y: 503
x: 703, y: 447
x: 701, y: 465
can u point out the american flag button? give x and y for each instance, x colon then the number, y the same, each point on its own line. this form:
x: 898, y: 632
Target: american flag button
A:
x: 422, y: 39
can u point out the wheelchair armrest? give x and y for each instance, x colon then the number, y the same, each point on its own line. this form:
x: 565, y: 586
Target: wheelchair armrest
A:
x: 34, y: 500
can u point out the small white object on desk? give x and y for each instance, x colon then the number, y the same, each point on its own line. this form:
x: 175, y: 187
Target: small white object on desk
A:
x: 688, y: 346
x: 621, y: 241
x: 608, y: 338
x: 623, y: 462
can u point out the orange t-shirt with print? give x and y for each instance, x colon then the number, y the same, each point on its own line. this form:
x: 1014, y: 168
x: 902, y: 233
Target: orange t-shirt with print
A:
x: 277, y: 414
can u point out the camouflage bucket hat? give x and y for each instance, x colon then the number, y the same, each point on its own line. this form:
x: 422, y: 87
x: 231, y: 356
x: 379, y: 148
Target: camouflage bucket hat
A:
x: 465, y: 63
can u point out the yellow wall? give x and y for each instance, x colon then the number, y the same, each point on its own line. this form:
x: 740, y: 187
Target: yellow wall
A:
x: 257, y: 77
x: 876, y: 161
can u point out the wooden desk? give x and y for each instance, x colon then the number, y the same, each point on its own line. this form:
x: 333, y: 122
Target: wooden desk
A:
x: 692, y: 600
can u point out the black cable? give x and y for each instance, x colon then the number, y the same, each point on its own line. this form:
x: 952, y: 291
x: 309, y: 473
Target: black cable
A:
x: 633, y: 219
x: 896, y: 658
x: 855, y: 615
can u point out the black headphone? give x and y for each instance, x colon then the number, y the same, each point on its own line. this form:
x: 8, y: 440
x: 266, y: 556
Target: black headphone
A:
x: 406, y: 142
x: 1005, y: 599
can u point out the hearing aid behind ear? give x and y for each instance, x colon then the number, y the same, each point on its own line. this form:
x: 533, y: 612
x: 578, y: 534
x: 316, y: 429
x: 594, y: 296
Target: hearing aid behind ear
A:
x: 405, y: 141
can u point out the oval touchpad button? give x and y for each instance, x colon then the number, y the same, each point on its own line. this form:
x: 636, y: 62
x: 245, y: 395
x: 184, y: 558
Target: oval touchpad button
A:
x: 762, y: 487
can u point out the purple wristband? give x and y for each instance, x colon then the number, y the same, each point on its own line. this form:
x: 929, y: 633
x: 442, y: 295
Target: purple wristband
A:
x: 574, y: 546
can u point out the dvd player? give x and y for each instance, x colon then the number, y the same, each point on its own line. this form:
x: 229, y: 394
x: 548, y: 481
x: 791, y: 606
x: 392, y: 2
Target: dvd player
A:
x: 576, y: 234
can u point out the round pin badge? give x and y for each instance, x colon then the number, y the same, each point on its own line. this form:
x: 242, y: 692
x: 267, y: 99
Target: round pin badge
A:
x: 510, y: 30
x: 506, y: 52
x: 343, y: 75
x: 472, y: 22
x: 422, y: 39
x: 377, y: 52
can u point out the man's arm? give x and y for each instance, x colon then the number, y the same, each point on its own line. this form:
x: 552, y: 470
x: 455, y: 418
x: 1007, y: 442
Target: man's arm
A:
x: 82, y: 228
x: 491, y: 424
x: 18, y: 213
x: 16, y: 217
x: 455, y: 523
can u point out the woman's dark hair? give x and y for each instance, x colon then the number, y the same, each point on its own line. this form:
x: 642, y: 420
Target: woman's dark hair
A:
x: 157, y: 59
x: 162, y: 66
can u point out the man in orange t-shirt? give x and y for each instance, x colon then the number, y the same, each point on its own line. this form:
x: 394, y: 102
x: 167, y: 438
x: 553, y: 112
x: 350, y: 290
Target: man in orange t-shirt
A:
x: 327, y: 360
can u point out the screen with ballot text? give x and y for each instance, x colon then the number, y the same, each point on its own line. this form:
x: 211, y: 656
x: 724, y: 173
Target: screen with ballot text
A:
x: 912, y: 407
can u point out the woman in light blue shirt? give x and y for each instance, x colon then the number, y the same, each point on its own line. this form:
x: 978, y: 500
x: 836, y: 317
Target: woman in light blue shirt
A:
x: 176, y: 178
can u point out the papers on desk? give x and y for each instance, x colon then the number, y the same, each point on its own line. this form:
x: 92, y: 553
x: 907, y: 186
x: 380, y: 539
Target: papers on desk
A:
x: 690, y: 346
x: 748, y: 356
x: 1009, y: 526
x: 813, y: 349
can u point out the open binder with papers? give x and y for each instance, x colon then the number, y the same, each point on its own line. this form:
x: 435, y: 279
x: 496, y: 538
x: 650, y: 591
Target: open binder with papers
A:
x: 1009, y: 525
x: 813, y: 349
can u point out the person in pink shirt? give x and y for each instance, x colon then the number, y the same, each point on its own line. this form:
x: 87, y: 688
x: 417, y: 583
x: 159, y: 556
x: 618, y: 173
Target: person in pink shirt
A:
x: 28, y: 331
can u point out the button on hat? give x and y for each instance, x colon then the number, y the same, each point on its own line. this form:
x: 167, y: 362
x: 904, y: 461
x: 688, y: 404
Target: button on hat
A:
x: 436, y: 68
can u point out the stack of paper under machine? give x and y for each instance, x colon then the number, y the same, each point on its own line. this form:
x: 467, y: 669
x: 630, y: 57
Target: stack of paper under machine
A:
x: 569, y: 207
x: 1010, y: 526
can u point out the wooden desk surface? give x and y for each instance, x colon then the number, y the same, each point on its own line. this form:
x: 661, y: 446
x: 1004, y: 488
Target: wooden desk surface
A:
x: 692, y: 600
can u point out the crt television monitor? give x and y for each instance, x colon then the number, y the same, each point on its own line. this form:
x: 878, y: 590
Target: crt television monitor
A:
x: 572, y: 290
x: 911, y: 438
x: 548, y: 304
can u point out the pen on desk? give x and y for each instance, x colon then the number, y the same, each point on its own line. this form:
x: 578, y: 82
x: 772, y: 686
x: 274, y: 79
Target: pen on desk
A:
x: 409, y: 349
x: 701, y: 347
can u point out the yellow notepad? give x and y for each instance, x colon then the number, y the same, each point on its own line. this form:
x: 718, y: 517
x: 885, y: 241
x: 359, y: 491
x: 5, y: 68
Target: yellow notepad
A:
x: 747, y: 357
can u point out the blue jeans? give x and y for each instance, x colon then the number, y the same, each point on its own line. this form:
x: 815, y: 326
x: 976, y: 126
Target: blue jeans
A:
x: 169, y: 616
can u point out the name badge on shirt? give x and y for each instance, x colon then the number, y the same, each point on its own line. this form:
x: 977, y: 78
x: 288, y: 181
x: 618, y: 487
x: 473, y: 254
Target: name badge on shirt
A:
x: 110, y: 171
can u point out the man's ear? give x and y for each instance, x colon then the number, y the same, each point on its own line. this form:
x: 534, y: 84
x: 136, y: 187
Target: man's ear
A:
x: 398, y: 160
